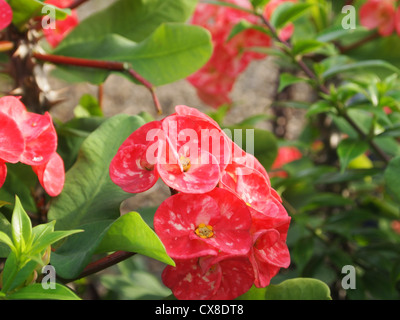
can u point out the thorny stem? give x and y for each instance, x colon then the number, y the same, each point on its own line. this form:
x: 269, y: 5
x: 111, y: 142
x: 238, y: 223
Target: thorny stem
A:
x: 100, y: 64
x: 76, y: 4
x: 325, y: 90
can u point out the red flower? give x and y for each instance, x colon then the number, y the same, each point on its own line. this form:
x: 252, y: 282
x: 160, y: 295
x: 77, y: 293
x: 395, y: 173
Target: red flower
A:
x: 192, y: 226
x: 63, y: 27
x: 6, y: 14
x: 29, y: 138
x: 379, y: 14
x: 397, y: 20
x: 196, y: 279
x: 285, y: 155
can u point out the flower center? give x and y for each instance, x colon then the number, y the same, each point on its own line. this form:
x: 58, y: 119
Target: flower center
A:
x: 185, y: 162
x: 204, y: 231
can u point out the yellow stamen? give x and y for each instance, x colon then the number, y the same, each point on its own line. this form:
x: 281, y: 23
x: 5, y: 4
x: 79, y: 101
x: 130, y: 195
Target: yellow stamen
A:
x: 204, y: 231
x: 185, y: 162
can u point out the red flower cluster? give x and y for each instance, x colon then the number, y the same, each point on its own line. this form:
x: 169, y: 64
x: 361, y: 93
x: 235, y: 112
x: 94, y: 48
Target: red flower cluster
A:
x: 6, y: 14
x: 62, y: 27
x: 226, y: 227
x: 30, y: 138
x: 230, y: 58
x: 381, y: 14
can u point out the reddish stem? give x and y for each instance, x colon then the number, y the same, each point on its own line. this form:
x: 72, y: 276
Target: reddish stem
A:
x: 101, y: 64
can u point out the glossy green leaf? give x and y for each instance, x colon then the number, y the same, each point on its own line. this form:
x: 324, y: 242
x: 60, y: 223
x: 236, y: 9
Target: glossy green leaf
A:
x: 37, y: 292
x: 287, y: 79
x: 305, y: 46
x: 21, y: 227
x: 292, y: 289
x: 171, y: 52
x: 4, y: 238
x: 134, y: 20
x: 298, y: 289
x: 88, y: 106
x: 348, y: 150
x: 130, y: 233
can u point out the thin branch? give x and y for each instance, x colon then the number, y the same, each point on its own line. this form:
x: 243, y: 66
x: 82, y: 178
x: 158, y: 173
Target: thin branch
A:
x: 102, y: 264
x: 325, y: 90
x: 355, y: 45
x: 76, y: 4
x: 101, y: 64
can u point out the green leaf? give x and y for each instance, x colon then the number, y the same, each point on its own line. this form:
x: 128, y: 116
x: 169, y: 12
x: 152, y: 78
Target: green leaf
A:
x: 21, y: 227
x: 287, y: 79
x: 392, y: 178
x: 89, y: 194
x: 88, y: 106
x: 130, y: 233
x: 305, y: 46
x: 292, y: 289
x: 134, y: 20
x: 298, y: 289
x: 24, y: 10
x: 4, y: 238
x: 288, y: 12
x: 172, y: 52
x: 37, y: 292
x: 361, y: 65
x: 319, y: 107
x: 350, y: 149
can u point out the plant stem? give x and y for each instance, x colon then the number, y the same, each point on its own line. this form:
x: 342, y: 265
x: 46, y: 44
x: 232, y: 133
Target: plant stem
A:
x: 323, y: 89
x: 100, y: 64
x: 102, y: 264
x: 76, y: 4
x: 359, y: 43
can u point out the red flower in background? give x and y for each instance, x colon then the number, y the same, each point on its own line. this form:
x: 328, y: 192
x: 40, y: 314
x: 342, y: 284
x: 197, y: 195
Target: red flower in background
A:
x: 397, y: 21
x: 380, y: 14
x: 63, y: 27
x: 216, y: 79
x: 285, y: 155
x: 30, y: 138
x: 6, y: 14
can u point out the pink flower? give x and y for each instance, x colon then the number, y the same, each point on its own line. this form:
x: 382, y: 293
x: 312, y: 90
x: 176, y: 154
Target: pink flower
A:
x: 379, y: 14
x: 192, y: 226
x: 285, y: 155
x: 30, y: 138
x: 63, y: 27
x: 193, y: 279
x: 6, y: 14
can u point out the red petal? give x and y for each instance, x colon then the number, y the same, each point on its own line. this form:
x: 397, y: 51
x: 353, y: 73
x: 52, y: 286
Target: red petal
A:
x: 6, y: 14
x: 188, y: 281
x: 201, y: 177
x: 51, y: 175
x: 3, y: 173
x: 40, y: 139
x: 128, y: 169
x: 269, y: 248
x: 11, y: 140
x: 237, y: 278
x: 145, y: 134
x: 13, y: 107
